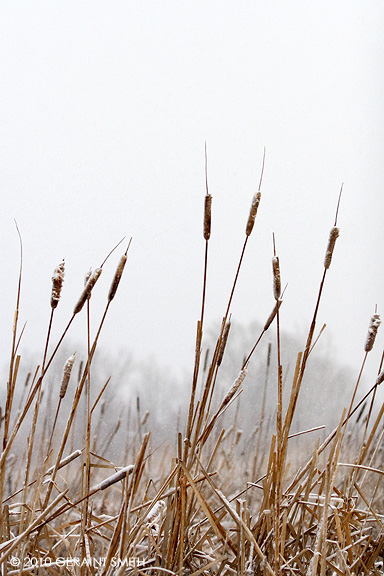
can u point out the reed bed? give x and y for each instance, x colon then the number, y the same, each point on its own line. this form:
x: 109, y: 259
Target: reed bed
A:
x: 217, y: 501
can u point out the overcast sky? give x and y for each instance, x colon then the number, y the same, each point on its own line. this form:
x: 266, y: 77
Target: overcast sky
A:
x: 105, y: 108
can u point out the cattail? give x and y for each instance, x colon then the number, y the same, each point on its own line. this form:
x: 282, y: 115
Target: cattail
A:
x: 120, y: 475
x: 234, y: 388
x: 380, y: 378
x: 86, y: 278
x: 372, y: 331
x: 66, y: 375
x: 207, y: 216
x: 223, y: 343
x: 272, y: 315
x: 117, y: 277
x: 87, y: 290
x: 155, y: 512
x: 57, y: 284
x: 252, y: 213
x: 65, y: 461
x: 276, y: 277
x: 333, y: 235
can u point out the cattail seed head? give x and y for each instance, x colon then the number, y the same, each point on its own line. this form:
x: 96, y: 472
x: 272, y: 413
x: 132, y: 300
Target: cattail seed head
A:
x: 276, y: 277
x: 120, y: 475
x: 380, y: 378
x: 207, y: 216
x: 223, y: 343
x: 333, y: 235
x: 66, y: 375
x: 372, y: 331
x: 234, y: 388
x: 272, y: 315
x: 87, y: 290
x: 57, y: 284
x: 252, y: 213
x: 117, y: 278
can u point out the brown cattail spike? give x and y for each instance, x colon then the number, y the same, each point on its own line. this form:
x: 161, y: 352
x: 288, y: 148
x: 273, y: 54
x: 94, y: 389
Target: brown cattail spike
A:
x: 372, y: 331
x: 272, y: 315
x: 207, y: 216
x: 223, y: 343
x: 234, y: 388
x: 57, y: 284
x: 276, y: 277
x: 333, y: 235
x: 87, y: 290
x: 380, y: 378
x: 66, y: 375
x: 118, y: 275
x: 252, y: 213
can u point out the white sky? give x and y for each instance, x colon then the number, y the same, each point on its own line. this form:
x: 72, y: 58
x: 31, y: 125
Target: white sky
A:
x: 105, y: 108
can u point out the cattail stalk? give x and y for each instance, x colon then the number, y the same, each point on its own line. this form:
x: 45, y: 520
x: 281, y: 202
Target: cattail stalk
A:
x: 372, y: 331
x: 57, y: 284
x: 333, y: 235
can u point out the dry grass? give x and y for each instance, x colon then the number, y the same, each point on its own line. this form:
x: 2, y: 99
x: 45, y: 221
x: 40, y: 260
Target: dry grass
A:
x: 204, y: 506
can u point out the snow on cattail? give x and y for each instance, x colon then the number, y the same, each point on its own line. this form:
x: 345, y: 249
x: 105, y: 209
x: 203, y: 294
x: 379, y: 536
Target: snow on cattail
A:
x: 155, y: 512
x: 223, y: 343
x: 333, y: 235
x: 272, y: 315
x: 252, y: 213
x: 57, y: 284
x: 207, y: 216
x: 66, y: 375
x: 117, y: 277
x: 120, y: 475
x: 276, y: 277
x: 87, y: 290
x: 372, y: 331
x: 234, y: 388
x: 380, y: 378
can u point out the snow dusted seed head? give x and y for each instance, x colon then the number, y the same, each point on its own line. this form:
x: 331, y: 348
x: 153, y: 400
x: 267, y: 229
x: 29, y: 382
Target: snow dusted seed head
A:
x: 207, y: 216
x: 57, y: 284
x: 234, y: 388
x: 223, y: 342
x: 380, y: 378
x: 333, y: 235
x: 87, y: 290
x: 252, y: 213
x: 117, y: 277
x: 276, y: 277
x: 372, y: 331
x: 66, y: 375
x: 155, y: 512
x: 272, y: 315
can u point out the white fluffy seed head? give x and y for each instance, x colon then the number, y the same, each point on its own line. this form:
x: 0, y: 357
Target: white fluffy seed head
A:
x: 252, y: 213
x: 333, y: 235
x: 276, y: 277
x: 66, y: 375
x: 57, y: 284
x: 372, y: 331
x: 87, y: 290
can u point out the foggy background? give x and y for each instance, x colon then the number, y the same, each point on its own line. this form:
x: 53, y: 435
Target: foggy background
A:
x: 105, y: 109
